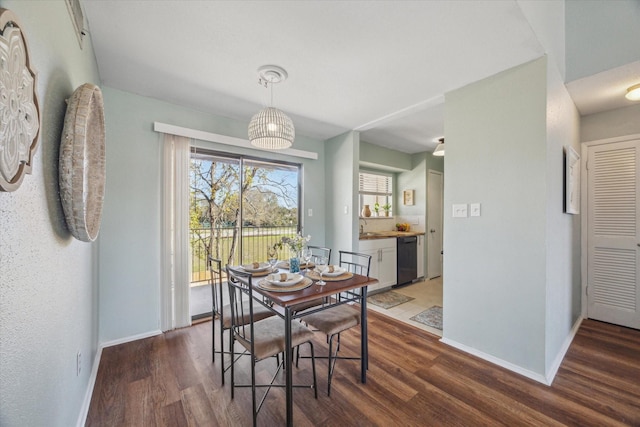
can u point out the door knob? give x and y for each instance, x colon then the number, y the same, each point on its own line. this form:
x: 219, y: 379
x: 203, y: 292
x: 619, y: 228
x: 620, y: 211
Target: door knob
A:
x: 432, y: 230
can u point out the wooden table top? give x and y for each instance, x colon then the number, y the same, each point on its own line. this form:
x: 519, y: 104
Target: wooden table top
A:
x: 286, y: 299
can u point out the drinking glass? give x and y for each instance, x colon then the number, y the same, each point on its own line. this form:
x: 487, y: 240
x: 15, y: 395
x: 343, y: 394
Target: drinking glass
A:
x: 306, y: 256
x: 320, y: 266
x: 272, y: 257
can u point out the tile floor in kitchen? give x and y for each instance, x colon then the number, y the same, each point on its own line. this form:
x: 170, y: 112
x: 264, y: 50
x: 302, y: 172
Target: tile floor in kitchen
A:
x: 426, y: 294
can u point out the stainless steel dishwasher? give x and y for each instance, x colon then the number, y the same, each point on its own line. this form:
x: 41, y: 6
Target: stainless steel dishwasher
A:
x: 407, y: 260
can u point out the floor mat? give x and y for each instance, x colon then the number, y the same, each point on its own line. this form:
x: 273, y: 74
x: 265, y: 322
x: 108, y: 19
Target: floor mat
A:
x: 430, y: 317
x: 388, y: 299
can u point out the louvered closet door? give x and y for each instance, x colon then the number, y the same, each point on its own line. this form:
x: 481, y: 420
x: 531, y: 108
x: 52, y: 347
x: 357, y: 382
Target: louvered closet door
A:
x: 613, y: 251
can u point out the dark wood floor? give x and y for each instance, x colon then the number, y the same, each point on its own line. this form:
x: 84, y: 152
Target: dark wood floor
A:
x: 413, y: 380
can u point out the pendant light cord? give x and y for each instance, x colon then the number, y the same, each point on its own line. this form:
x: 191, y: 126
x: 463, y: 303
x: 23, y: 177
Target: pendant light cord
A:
x: 271, y: 89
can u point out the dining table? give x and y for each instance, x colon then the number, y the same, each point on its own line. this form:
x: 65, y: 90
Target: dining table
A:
x: 287, y: 301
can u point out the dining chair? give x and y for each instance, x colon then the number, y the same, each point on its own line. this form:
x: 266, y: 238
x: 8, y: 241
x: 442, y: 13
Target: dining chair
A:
x: 222, y: 312
x: 318, y: 251
x: 335, y: 320
x: 263, y: 338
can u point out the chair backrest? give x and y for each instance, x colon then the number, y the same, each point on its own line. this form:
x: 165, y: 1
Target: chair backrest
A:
x: 215, y: 279
x: 317, y: 252
x: 355, y: 262
x: 241, y: 302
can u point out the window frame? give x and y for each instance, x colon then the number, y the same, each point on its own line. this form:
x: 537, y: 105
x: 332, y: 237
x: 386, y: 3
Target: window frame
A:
x: 381, y: 197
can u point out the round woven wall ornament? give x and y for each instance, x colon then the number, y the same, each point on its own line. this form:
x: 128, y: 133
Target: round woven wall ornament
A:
x: 19, y: 114
x: 82, y: 162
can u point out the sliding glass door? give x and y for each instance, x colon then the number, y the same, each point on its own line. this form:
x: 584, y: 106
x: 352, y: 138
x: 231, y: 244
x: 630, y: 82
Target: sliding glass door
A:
x: 270, y: 207
x: 239, y: 206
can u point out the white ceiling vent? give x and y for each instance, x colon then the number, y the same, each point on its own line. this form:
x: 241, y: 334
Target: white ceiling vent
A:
x: 77, y: 17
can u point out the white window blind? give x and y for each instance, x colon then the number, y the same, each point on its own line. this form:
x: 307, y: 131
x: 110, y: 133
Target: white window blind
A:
x: 372, y: 184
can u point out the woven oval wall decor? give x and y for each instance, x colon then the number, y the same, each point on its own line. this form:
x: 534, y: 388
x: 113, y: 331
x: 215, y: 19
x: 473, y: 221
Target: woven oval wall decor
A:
x: 82, y: 162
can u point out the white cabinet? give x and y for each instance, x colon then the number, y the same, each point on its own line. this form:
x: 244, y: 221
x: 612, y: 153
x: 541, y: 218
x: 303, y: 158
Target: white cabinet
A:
x: 420, y: 255
x: 383, y: 261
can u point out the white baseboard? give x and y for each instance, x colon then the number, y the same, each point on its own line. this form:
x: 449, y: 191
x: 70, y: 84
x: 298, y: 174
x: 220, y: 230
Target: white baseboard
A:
x: 544, y: 379
x: 84, y: 410
x: 497, y: 361
x: 130, y: 338
x: 553, y: 369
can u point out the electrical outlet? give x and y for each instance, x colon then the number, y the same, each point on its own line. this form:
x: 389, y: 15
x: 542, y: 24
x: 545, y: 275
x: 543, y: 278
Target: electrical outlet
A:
x: 78, y: 363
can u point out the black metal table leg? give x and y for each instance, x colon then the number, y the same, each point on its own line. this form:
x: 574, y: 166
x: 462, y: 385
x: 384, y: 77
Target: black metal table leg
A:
x: 364, y: 339
x: 288, y: 362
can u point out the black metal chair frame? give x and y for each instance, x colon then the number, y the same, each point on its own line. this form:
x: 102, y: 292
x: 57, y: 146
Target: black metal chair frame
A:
x: 215, y: 272
x: 348, y: 260
x: 241, y: 295
x: 318, y: 251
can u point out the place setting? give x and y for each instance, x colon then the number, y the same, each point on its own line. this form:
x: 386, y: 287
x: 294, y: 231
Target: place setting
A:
x: 329, y: 273
x: 303, y: 266
x: 258, y: 269
x: 284, y: 282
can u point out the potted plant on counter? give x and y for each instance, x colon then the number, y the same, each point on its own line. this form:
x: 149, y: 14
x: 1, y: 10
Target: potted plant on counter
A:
x: 376, y: 208
x: 386, y: 209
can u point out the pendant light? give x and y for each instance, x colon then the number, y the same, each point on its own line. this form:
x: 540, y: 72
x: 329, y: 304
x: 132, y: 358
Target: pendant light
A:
x: 439, y: 150
x: 270, y: 128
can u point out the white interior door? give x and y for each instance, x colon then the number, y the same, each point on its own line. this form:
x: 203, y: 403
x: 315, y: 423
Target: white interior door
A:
x: 434, y: 224
x: 613, y: 257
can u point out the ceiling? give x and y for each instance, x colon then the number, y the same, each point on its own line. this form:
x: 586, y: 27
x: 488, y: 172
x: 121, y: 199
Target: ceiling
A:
x: 380, y: 67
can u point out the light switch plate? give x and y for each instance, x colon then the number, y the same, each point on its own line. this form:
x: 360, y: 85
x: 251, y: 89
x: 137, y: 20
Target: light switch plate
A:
x: 475, y: 209
x: 460, y: 211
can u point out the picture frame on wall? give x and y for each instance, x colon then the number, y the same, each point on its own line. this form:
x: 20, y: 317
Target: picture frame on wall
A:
x: 407, y: 197
x: 571, y: 181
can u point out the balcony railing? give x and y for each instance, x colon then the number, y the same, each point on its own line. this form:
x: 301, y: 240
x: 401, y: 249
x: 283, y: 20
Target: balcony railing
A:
x: 221, y: 241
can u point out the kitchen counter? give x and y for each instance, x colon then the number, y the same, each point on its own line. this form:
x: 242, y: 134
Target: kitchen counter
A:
x: 371, y: 235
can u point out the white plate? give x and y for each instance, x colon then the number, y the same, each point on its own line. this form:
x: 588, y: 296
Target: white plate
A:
x: 337, y: 271
x: 251, y: 269
x: 290, y: 279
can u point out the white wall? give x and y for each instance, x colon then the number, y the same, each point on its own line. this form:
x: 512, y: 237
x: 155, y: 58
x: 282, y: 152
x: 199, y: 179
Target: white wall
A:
x: 413, y: 179
x: 563, y: 277
x: 512, y: 275
x: 48, y: 286
x: 381, y: 158
x: 609, y: 124
x: 130, y: 242
x: 547, y: 18
x: 494, y: 265
x: 341, y: 181
x: 600, y: 35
